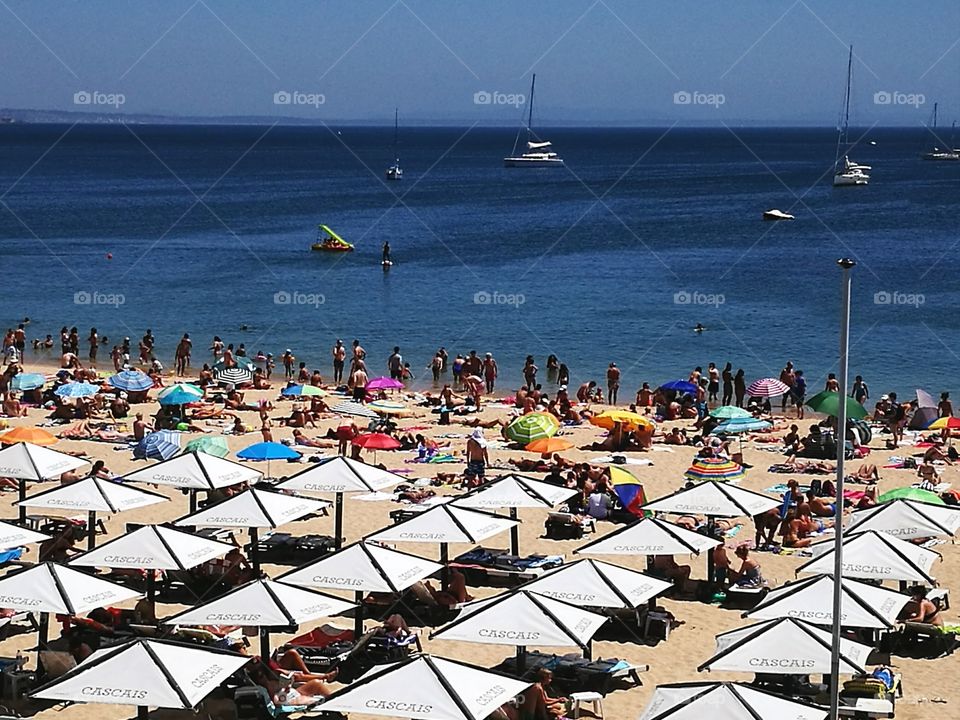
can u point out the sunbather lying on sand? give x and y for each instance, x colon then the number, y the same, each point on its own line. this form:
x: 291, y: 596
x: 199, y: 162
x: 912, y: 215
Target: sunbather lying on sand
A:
x: 83, y: 430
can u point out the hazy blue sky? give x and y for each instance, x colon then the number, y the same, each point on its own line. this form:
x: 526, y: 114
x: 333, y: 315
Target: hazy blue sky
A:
x: 758, y: 61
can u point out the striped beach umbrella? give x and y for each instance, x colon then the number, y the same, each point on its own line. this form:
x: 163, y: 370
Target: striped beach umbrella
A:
x: 179, y: 394
x: 532, y: 426
x: 353, y: 408
x: 159, y: 445
x: 77, y: 389
x: 238, y: 361
x: 387, y: 407
x: 233, y: 376
x: 714, y: 468
x: 302, y: 390
x: 27, y: 381
x: 131, y: 381
x: 767, y: 387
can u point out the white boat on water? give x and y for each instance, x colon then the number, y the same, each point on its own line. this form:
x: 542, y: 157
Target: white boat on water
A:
x: 848, y: 173
x: 947, y: 154
x: 395, y: 172
x: 539, y: 152
x: 777, y: 215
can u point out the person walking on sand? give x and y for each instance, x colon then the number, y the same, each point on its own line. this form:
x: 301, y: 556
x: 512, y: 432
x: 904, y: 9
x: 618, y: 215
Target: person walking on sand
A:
x: 477, y: 458
x: 490, y: 371
x: 184, y: 348
x: 613, y: 383
x: 339, y: 354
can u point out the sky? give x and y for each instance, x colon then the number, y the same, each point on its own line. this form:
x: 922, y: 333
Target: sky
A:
x: 766, y: 62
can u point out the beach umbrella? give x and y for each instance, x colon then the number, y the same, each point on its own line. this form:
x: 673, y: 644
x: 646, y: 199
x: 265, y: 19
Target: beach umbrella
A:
x: 14, y: 536
x: 629, y: 420
x: 131, y: 381
x: 730, y: 412
x: 244, y: 363
x: 302, y: 391
x: 145, y: 673
x: 739, y: 426
x: 944, y: 423
x: 254, y: 509
x: 195, y: 471
x: 680, y: 386
x: 629, y: 490
x: 767, y: 387
x: 784, y: 646
x: 715, y: 468
x: 383, y: 383
x: 532, y: 426
x: 597, y: 584
x: 158, y: 445
x: 77, y: 390
x: 548, y: 446
x: 264, y: 604
x: 267, y: 451
x: 649, y: 536
x: 376, y: 441
x: 910, y: 493
x: 27, y: 434
x: 353, y: 408
x: 387, y: 407
x: 874, y: 555
x: 863, y: 605
x: 25, y: 461
x: 93, y: 495
x: 154, y: 547
x: 714, y: 500
x: 515, y: 491
x: 363, y: 567
x: 425, y: 687
x: 827, y: 402
x: 27, y: 381
x: 233, y: 376
x: 908, y: 519
x: 727, y: 700
x: 209, y: 445
x: 180, y: 394
x: 340, y: 475
x: 521, y: 618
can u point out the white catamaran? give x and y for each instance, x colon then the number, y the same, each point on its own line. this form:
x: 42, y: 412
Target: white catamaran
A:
x: 846, y: 172
x: 940, y: 154
x: 395, y: 172
x: 539, y: 153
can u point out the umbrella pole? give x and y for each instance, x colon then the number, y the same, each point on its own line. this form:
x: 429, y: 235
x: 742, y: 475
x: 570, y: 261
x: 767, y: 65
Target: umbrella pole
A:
x: 588, y: 650
x: 193, y: 500
x: 710, y: 529
x: 254, y: 555
x: 514, y: 534
x: 521, y: 660
x: 338, y: 520
x: 23, y: 496
x: 42, y: 634
x: 91, y: 530
x: 264, y: 644
x: 142, y: 712
x: 444, y: 571
x: 151, y: 586
x: 358, y: 617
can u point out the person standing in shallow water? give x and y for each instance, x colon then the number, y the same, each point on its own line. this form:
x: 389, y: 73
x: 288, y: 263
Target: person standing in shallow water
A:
x: 339, y: 354
x: 727, y: 377
x: 613, y: 383
x: 530, y: 373
x: 739, y: 387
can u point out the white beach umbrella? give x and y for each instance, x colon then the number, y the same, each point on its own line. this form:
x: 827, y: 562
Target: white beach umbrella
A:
x: 12, y: 536
x: 26, y: 461
x: 145, y: 673
x: 254, y: 509
x: 340, y: 475
x: 862, y: 605
x: 515, y: 491
x: 154, y: 547
x: 427, y: 688
x: 908, y: 519
x: 714, y: 499
x: 649, y: 536
x: 786, y: 646
x: 725, y: 701
x: 445, y: 524
x: 348, y: 407
x: 263, y: 604
x: 196, y: 471
x: 93, y: 495
x: 874, y: 555
x: 592, y: 583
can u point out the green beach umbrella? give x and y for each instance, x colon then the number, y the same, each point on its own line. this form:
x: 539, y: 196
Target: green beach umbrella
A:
x: 828, y: 403
x: 911, y: 493
x: 532, y: 426
x: 211, y: 445
x: 729, y: 412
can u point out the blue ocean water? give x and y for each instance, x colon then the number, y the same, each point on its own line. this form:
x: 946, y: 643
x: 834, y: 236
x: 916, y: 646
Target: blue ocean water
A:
x: 615, y: 258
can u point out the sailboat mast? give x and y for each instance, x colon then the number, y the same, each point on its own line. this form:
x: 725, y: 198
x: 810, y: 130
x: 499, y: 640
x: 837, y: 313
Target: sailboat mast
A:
x: 396, y: 125
x: 842, y: 136
x: 935, y: 115
x: 533, y: 84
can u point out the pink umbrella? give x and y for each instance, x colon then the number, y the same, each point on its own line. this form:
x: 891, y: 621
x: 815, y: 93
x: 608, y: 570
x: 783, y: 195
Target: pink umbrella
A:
x: 767, y: 387
x: 384, y: 383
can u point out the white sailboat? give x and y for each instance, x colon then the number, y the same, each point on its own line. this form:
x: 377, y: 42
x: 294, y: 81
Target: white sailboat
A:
x: 395, y: 172
x: 539, y: 152
x: 941, y: 154
x: 847, y: 173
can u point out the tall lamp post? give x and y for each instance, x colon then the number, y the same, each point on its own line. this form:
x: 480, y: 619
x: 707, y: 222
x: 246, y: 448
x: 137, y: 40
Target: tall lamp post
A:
x: 846, y: 266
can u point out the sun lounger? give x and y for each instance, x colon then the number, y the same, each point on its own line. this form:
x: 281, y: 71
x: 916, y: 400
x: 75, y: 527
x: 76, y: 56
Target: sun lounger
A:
x: 933, y: 640
x: 572, y: 673
x: 869, y: 697
x: 492, y: 567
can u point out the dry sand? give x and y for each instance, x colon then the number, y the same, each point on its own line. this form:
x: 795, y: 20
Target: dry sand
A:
x: 673, y: 661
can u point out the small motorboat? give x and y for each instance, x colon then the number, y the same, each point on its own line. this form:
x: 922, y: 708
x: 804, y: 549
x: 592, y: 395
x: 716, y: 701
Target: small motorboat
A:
x: 329, y: 241
x: 776, y: 215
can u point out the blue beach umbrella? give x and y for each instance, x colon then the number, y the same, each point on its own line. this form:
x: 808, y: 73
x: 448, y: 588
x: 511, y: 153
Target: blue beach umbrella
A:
x: 179, y: 394
x: 27, y: 381
x: 77, y: 389
x: 680, y: 386
x: 268, y: 451
x: 738, y: 426
x: 131, y: 381
x: 159, y: 445
x: 306, y: 390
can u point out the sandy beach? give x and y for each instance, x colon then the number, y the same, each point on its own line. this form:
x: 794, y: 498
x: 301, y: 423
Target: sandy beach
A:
x: 672, y: 661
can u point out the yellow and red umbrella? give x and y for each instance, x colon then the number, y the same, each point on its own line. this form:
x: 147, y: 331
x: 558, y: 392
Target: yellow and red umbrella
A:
x: 33, y: 435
